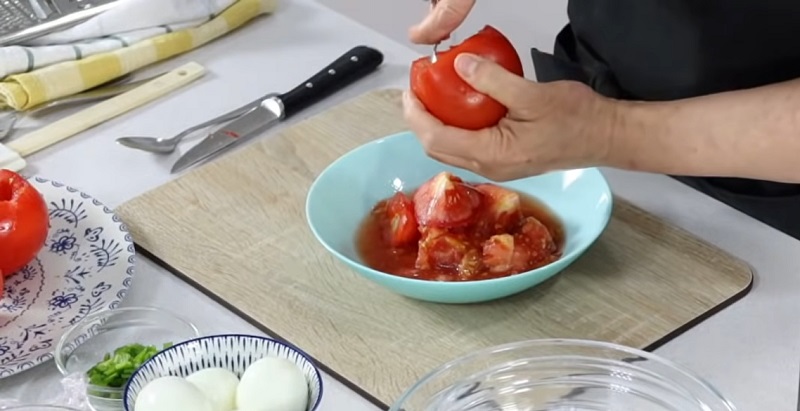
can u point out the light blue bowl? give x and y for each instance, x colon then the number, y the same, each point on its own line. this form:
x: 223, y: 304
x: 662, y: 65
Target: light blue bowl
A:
x: 345, y: 192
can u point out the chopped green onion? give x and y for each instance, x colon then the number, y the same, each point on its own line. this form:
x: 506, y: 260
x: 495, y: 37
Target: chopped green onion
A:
x: 116, y: 368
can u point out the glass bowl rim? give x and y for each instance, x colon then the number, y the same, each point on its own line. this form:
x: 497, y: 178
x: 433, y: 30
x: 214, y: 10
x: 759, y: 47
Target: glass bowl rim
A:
x: 62, y: 367
x: 687, y: 375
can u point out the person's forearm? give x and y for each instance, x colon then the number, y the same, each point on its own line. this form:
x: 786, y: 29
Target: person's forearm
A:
x: 751, y: 133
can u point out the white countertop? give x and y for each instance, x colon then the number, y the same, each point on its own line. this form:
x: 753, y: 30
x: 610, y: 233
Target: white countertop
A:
x: 750, y: 350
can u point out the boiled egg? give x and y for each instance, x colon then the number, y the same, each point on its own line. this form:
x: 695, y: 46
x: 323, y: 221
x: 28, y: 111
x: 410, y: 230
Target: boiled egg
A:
x: 272, y: 384
x: 171, y: 394
x: 218, y: 385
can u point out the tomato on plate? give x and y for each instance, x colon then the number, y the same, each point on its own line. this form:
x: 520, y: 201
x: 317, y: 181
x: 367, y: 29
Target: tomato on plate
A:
x: 24, y: 222
x: 449, y: 98
x: 445, y: 201
x: 402, y: 228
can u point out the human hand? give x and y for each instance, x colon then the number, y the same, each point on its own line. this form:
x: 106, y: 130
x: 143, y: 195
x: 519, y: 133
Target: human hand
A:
x: 443, y: 19
x: 549, y: 126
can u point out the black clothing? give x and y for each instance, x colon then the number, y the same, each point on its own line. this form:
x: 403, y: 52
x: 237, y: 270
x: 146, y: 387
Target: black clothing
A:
x: 658, y: 50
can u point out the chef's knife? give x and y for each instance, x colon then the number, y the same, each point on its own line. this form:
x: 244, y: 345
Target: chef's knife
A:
x: 348, y: 68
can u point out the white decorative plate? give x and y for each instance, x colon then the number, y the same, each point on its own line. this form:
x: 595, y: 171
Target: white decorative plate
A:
x: 85, y: 266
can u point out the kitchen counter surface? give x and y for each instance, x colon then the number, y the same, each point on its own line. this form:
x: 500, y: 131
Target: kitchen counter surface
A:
x: 750, y: 350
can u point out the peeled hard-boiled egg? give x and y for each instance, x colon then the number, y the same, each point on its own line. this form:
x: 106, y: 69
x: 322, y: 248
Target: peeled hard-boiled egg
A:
x: 218, y: 385
x: 272, y: 384
x: 171, y: 394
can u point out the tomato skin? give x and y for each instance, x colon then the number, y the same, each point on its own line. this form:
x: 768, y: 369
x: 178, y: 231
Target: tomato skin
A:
x: 445, y: 201
x: 402, y: 222
x: 24, y: 222
x: 449, y: 98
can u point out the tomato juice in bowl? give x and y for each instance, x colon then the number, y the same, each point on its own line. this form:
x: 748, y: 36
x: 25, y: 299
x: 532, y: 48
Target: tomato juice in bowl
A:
x: 347, y: 191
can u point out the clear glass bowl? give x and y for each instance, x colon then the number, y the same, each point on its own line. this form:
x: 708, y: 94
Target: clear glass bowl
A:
x: 35, y: 407
x: 561, y: 375
x: 87, y: 342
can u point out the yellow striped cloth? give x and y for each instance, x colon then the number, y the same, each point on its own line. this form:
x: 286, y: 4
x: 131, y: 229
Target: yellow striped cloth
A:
x: 26, y: 90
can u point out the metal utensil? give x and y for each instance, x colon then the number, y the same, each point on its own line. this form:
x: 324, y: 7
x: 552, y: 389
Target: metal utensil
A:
x: 168, y: 145
x: 348, y: 68
x: 101, y: 92
x: 26, y: 19
x: 434, y: 56
x: 13, y: 154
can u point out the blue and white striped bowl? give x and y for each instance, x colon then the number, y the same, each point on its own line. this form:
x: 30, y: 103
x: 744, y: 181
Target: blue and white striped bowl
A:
x: 232, y: 352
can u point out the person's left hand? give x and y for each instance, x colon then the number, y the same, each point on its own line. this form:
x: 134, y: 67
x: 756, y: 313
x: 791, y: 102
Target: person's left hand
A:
x: 549, y: 126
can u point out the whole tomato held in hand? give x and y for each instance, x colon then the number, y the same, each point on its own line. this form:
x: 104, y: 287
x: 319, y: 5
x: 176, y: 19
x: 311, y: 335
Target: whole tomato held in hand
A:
x: 449, y: 98
x: 24, y: 222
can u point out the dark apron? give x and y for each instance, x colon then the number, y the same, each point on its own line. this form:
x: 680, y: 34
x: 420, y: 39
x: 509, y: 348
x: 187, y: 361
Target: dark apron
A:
x: 658, y: 50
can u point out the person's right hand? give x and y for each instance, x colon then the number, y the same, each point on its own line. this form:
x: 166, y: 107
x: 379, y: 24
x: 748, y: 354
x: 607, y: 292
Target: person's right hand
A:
x: 441, y: 21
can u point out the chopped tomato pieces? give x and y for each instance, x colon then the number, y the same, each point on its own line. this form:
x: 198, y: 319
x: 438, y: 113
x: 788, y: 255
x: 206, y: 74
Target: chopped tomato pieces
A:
x: 441, y: 249
x: 448, y: 252
x: 451, y: 230
x: 402, y: 227
x: 445, y: 201
x: 537, y: 241
x: 502, y: 208
x: 498, y: 253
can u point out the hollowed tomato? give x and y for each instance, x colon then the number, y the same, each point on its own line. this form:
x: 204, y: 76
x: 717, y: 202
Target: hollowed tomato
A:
x: 449, y: 98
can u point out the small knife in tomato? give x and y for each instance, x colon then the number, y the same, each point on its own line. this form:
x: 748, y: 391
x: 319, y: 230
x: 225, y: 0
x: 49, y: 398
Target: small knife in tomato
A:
x: 345, y: 70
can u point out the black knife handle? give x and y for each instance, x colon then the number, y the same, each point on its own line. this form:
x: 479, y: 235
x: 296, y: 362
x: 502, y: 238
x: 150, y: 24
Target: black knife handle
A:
x: 350, y: 67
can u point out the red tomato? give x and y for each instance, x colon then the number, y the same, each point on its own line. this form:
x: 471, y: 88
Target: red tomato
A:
x: 498, y: 253
x: 445, y: 201
x: 531, y: 247
x: 440, y: 249
x: 24, y: 222
x: 449, y: 98
x: 402, y: 227
x: 503, y: 208
x: 534, y: 245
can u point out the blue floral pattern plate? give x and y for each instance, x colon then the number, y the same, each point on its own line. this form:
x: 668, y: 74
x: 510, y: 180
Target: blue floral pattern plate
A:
x: 86, y: 266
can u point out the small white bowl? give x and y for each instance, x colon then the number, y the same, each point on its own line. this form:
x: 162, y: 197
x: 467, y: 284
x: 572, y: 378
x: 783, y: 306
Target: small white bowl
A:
x: 232, y: 352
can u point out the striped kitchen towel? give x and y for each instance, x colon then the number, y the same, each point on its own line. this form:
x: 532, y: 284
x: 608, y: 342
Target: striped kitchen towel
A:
x: 25, y: 90
x: 128, y: 22
x: 131, y: 15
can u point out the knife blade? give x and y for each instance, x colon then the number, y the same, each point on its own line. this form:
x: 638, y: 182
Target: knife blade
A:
x: 345, y: 70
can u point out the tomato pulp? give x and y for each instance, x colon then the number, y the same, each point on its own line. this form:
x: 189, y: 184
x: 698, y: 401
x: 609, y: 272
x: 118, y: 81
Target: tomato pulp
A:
x: 449, y: 98
x: 24, y: 222
x: 461, y: 232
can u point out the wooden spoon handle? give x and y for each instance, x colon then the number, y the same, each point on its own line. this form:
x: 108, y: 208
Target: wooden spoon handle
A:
x: 69, y: 126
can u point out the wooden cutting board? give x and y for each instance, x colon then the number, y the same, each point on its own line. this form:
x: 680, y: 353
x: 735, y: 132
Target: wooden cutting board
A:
x: 236, y: 229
